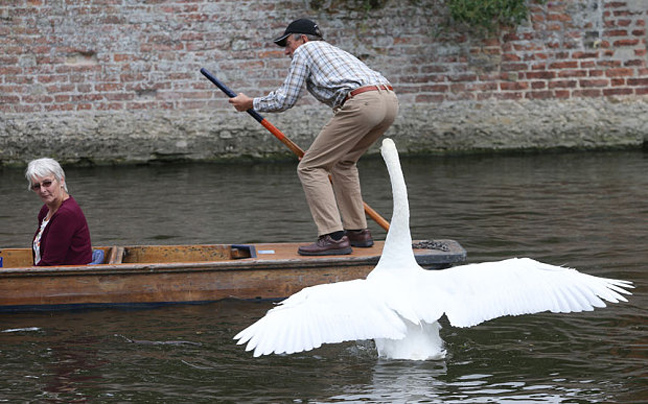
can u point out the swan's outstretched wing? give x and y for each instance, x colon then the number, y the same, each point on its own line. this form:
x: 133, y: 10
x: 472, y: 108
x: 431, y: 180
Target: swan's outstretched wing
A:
x: 479, y: 292
x: 329, y: 313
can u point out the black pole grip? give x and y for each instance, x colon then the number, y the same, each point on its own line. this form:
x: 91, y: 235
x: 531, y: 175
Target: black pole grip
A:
x: 228, y: 92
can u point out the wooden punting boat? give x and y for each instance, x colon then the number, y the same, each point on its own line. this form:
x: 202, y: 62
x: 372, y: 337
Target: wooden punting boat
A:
x: 151, y: 275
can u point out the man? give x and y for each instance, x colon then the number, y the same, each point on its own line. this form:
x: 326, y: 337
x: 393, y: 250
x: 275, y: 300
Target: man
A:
x: 364, y: 107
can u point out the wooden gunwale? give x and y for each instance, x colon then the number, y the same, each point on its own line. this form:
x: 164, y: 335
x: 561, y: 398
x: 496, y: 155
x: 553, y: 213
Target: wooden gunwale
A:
x: 266, y: 276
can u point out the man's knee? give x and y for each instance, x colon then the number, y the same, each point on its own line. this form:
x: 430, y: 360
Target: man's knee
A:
x: 307, y: 172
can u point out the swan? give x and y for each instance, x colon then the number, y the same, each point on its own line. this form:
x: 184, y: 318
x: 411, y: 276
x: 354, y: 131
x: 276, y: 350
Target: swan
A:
x: 398, y: 304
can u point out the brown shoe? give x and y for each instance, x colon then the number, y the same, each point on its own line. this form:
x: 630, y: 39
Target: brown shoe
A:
x: 325, y: 245
x: 360, y: 238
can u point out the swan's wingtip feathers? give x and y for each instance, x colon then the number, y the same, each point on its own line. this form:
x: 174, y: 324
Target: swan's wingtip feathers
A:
x: 324, y: 314
x: 532, y: 287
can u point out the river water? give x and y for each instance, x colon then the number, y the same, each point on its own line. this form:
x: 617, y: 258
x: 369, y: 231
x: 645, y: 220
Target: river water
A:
x: 584, y: 210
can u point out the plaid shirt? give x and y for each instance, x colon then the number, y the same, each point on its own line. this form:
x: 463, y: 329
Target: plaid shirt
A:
x: 327, y: 72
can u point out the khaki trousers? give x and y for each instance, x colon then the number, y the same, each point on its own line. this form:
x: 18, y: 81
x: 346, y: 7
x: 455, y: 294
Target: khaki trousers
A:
x: 336, y: 149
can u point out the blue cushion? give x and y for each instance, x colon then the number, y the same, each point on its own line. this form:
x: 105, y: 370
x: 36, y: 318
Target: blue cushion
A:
x: 97, y: 257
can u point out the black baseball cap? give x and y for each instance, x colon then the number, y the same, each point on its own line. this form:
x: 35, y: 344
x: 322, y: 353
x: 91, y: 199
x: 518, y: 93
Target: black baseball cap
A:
x: 301, y: 26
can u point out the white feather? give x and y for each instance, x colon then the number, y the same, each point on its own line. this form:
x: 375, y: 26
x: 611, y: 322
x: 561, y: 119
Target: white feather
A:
x: 399, y: 303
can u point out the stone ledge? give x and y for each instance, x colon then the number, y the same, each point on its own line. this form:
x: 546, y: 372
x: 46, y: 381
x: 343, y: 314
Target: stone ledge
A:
x: 224, y: 135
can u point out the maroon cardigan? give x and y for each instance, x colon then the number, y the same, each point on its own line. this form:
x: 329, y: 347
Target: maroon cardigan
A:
x: 66, y: 239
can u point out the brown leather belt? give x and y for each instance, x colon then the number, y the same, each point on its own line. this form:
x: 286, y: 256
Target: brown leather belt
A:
x: 368, y: 88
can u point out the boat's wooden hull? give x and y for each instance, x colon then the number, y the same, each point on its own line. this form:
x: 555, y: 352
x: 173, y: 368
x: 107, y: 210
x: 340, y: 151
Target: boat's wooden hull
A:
x: 189, y: 274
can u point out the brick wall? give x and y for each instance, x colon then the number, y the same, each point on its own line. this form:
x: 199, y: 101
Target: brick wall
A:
x: 119, y: 81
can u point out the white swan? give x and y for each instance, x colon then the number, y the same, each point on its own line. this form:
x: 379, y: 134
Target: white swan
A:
x: 399, y: 303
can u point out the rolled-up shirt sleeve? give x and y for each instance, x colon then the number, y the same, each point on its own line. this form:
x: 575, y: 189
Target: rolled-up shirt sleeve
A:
x: 290, y: 91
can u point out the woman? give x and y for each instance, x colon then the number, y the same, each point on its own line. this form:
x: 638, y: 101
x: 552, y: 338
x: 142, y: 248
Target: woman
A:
x: 62, y: 237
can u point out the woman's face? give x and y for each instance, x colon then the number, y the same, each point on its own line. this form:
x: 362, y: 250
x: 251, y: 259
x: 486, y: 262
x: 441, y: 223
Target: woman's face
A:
x: 49, y: 189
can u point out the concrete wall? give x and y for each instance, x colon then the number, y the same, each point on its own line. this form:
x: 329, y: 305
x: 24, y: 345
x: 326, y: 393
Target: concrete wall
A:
x: 110, y: 81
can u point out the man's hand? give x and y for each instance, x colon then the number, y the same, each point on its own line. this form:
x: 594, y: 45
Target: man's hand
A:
x: 242, y: 102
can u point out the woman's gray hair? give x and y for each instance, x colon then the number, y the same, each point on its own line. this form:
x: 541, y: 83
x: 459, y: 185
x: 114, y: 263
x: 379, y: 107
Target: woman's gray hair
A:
x: 43, y: 168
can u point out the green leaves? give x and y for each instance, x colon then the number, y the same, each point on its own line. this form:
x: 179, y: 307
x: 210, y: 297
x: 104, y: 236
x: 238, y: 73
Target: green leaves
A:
x: 488, y: 14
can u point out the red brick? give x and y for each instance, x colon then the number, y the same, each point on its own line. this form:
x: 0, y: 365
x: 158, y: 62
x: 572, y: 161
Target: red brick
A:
x: 619, y: 72
x: 615, y: 32
x: 509, y: 95
x: 9, y: 99
x: 635, y: 63
x: 569, y: 64
x: 106, y: 87
x: 626, y: 42
x: 585, y: 55
x: 118, y: 96
x: 37, y: 99
x: 490, y: 86
x: 540, y: 75
x: 508, y: 67
x: 60, y: 88
x: 609, y: 63
x: 559, y: 17
x: 563, y: 84
x: 123, y: 57
x: 514, y: 86
x: 617, y: 92
x: 440, y: 88
x: 587, y: 93
x: 511, y: 58
x: 615, y: 4
x: 594, y: 83
x: 113, y: 106
x: 572, y: 73
x: 86, y: 97
x: 638, y: 82
x: 462, y: 77
x: 27, y: 109
x: 485, y: 96
x: 539, y: 95
x: 59, y: 107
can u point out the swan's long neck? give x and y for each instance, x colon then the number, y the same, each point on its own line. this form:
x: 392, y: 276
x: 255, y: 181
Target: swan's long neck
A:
x: 398, y: 244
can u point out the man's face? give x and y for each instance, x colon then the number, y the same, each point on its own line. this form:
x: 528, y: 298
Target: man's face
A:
x: 292, y: 44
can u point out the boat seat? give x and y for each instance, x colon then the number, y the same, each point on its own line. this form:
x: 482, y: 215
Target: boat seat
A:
x: 116, y: 255
x: 240, y: 251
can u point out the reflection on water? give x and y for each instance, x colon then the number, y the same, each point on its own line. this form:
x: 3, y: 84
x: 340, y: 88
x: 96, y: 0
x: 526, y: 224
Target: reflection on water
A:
x: 587, y: 211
